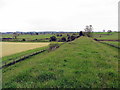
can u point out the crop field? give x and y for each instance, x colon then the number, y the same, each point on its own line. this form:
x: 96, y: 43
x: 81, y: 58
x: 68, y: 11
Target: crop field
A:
x: 9, y: 48
x: 82, y: 63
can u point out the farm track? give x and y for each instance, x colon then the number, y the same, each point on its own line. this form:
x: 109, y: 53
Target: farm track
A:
x: 21, y: 59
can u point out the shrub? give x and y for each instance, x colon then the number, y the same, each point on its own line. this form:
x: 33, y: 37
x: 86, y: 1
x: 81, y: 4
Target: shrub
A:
x: 57, y: 35
x: 68, y: 39
x: 53, y: 38
x: 60, y: 35
x: 81, y: 33
x: 68, y: 35
x: 23, y: 39
x: 72, y: 38
x: 53, y: 46
x: 63, y: 39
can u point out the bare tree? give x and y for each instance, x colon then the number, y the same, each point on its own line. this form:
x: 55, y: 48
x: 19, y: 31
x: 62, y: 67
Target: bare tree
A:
x: 15, y: 35
x: 88, y: 30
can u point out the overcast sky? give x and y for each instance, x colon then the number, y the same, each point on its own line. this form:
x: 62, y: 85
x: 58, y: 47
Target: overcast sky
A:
x: 58, y: 15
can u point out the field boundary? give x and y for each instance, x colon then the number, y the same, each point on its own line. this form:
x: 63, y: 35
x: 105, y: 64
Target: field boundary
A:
x: 21, y: 59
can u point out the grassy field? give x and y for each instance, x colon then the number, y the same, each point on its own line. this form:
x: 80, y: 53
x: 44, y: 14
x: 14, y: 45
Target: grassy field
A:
x: 114, y: 36
x: 9, y: 48
x: 28, y: 36
x: 113, y: 43
x: 32, y: 37
x: 82, y: 63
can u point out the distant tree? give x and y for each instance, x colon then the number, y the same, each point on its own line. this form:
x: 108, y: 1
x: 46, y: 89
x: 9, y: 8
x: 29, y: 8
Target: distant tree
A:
x: 63, y: 39
x: 60, y: 35
x: 88, y: 30
x: 23, y: 39
x: 80, y: 33
x: 109, y: 31
x: 68, y: 35
x: 36, y: 33
x: 15, y: 35
x: 103, y: 30
x: 73, y: 38
x: 57, y: 35
x: 68, y: 39
x: 73, y: 34
x: 53, y: 38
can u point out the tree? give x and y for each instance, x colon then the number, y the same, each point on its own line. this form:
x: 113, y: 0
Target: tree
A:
x: 88, y: 30
x: 36, y: 33
x: 23, y: 39
x: 81, y: 33
x: 57, y: 35
x: 63, y: 39
x: 68, y: 35
x: 53, y: 38
x: 72, y: 38
x: 15, y: 35
x: 60, y: 35
x: 109, y: 31
x: 68, y: 39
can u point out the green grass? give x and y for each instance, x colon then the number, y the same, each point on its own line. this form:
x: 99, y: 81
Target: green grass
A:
x: 83, y: 63
x: 28, y: 38
x: 104, y: 32
x: 41, y: 36
x: 10, y: 58
x: 113, y: 43
x: 114, y: 36
x: 35, y: 36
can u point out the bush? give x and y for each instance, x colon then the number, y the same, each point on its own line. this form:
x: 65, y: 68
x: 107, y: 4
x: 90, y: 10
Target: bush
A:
x: 63, y: 39
x: 73, y: 38
x: 53, y: 38
x: 57, y: 35
x: 53, y: 46
x: 80, y: 33
x: 68, y: 35
x: 60, y: 35
x: 23, y: 40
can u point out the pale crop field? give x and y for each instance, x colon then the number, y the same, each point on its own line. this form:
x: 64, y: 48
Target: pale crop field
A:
x: 9, y: 48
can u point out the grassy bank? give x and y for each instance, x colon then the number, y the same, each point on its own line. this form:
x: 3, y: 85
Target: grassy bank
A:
x: 83, y: 63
